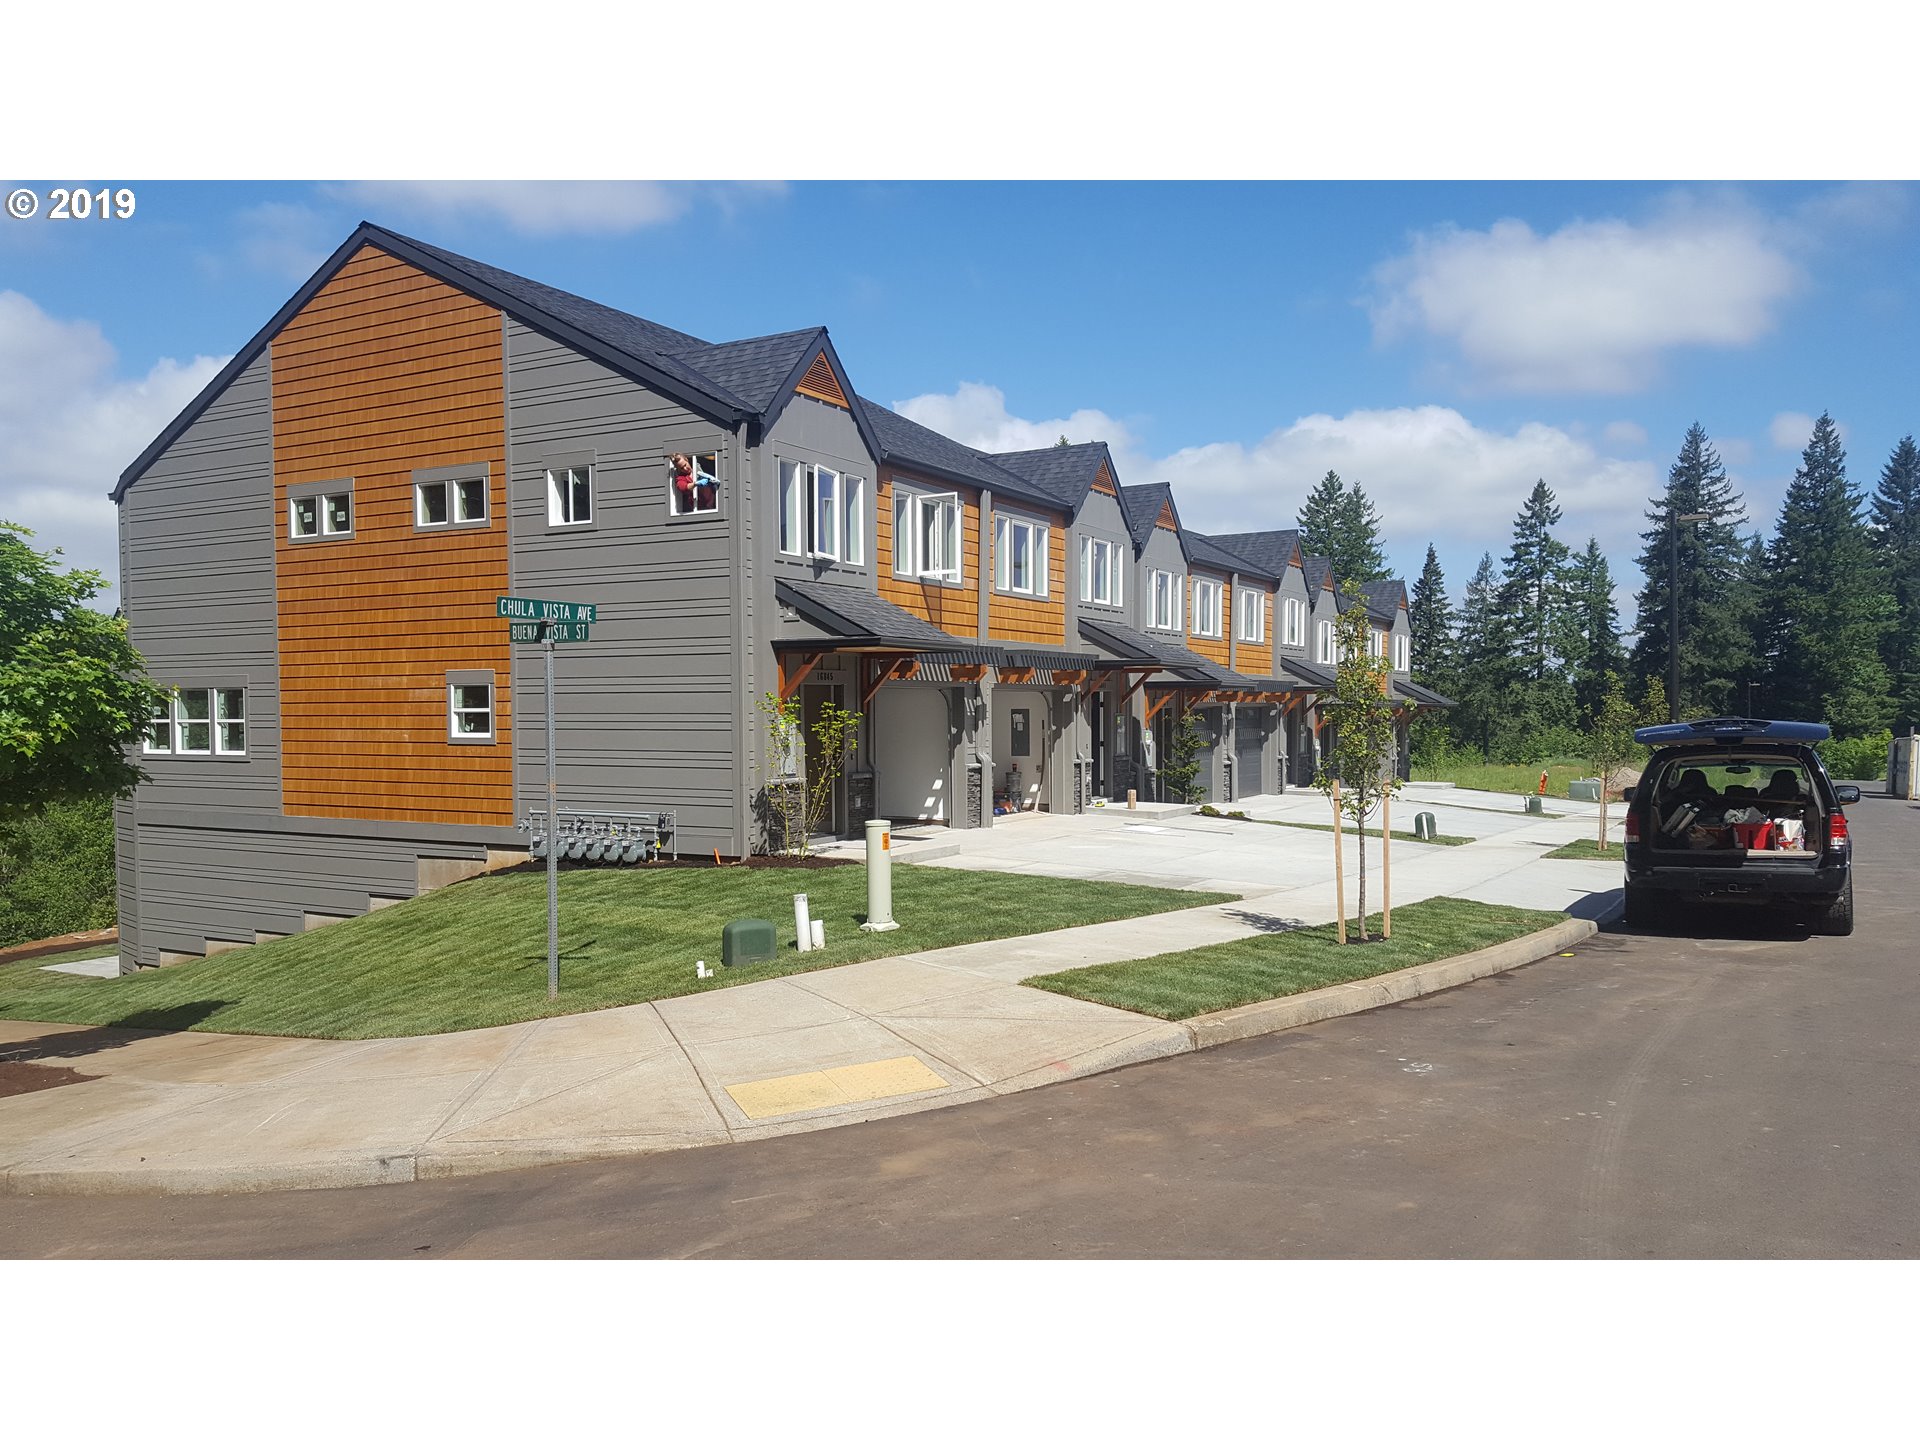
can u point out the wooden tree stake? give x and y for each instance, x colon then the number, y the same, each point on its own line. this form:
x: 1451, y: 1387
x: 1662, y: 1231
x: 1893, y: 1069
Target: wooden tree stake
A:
x: 1339, y: 868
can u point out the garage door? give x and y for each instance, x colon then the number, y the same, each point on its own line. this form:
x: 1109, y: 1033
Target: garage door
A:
x: 1249, y: 754
x: 910, y: 752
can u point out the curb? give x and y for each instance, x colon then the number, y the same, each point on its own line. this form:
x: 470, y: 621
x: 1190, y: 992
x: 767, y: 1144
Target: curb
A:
x: 1268, y: 1017
x: 1222, y: 1027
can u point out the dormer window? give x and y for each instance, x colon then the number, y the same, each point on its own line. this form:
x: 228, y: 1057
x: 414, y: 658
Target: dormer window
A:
x: 1163, y: 600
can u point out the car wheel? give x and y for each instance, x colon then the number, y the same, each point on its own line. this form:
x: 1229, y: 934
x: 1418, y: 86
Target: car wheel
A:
x: 1644, y: 911
x: 1837, y: 918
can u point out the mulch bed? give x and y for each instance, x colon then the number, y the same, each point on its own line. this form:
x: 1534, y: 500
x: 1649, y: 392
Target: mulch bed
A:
x: 19, y: 1078
x: 59, y: 944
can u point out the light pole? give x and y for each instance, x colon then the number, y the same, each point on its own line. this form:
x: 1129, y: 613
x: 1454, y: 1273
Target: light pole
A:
x: 1674, y: 522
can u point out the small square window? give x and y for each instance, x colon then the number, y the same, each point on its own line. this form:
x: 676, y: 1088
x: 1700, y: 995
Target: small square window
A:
x: 337, y: 516
x: 442, y: 499
x: 693, y: 483
x: 320, y: 510
x: 469, y: 711
x: 469, y: 501
x: 305, y: 510
x: 570, y: 495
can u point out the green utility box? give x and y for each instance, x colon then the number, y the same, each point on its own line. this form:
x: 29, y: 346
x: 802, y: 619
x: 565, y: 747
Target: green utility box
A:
x: 1583, y: 790
x: 1425, y: 827
x: 742, y: 942
x: 1534, y: 807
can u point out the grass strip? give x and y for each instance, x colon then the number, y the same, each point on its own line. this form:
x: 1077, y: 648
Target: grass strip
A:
x: 475, y: 954
x: 1584, y: 849
x: 1186, y: 983
x: 1406, y: 835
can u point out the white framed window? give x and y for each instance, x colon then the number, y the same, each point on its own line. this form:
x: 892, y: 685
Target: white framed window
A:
x: 470, y: 706
x: 1250, y: 607
x: 199, y: 721
x: 693, y: 482
x: 1019, y: 556
x: 1402, y: 653
x: 1101, y: 572
x: 1293, y: 622
x: 926, y: 536
x: 1206, y: 607
x: 320, y: 510
x: 856, y: 488
x: 159, y: 737
x: 793, y: 507
x: 1323, y: 642
x: 1163, y: 600
x: 445, y: 500
x: 825, y: 510
x: 570, y: 495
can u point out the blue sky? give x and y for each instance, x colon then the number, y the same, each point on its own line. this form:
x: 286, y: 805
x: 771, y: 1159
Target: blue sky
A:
x: 1442, y: 344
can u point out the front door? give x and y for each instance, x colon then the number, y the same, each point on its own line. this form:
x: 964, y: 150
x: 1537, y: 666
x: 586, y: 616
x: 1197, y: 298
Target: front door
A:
x: 1097, y: 718
x: 812, y: 698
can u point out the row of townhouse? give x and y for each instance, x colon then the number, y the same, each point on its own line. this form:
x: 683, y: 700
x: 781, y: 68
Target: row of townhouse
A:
x: 312, y: 552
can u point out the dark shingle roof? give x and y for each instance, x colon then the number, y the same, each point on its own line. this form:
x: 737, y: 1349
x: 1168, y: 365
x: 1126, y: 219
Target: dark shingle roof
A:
x: 1065, y: 472
x: 1423, y: 697
x: 1271, y: 550
x: 1141, y: 505
x: 1318, y: 677
x: 1384, y: 598
x: 1205, y: 550
x: 861, y: 615
x: 756, y: 369
x: 915, y: 446
x: 1126, y: 643
x: 1315, y: 568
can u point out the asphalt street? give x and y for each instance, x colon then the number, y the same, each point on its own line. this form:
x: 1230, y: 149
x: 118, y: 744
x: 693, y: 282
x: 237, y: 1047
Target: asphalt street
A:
x: 1733, y: 1091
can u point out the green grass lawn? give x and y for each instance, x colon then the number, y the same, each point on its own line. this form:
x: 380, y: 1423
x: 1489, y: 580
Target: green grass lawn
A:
x: 90, y: 952
x: 1587, y: 850
x: 1406, y: 835
x: 475, y: 954
x: 1262, y: 967
x: 1507, y: 779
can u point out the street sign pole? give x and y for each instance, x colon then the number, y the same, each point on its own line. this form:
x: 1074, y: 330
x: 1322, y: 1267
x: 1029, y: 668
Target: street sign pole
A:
x: 553, y: 840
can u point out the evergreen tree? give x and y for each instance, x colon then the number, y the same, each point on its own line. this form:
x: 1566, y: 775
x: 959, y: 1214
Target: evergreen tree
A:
x: 1751, y: 696
x: 1431, y: 620
x: 1482, y: 665
x: 1826, y: 613
x: 1341, y: 524
x: 1896, y: 545
x: 1593, y: 628
x: 1532, y: 623
x: 1716, y: 618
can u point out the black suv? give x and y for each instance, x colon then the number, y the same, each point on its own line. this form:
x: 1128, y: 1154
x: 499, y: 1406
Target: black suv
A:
x: 1740, y: 811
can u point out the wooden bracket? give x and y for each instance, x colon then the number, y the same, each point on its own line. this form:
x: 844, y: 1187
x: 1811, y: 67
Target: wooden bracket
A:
x: 904, y: 668
x: 1016, y: 675
x: 1157, y: 703
x: 1095, y: 679
x: 1134, y: 688
x: 790, y: 677
x: 973, y: 673
x: 1069, y: 677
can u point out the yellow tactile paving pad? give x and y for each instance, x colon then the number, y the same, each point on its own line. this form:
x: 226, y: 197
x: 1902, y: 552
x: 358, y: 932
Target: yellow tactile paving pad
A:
x: 819, y: 1089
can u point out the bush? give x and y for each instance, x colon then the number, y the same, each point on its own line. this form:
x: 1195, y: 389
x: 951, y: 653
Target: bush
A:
x: 1862, y: 758
x: 56, y: 871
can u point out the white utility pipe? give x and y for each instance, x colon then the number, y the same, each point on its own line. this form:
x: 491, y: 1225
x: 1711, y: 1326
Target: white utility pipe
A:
x: 819, y: 932
x: 802, y: 926
x: 879, y: 877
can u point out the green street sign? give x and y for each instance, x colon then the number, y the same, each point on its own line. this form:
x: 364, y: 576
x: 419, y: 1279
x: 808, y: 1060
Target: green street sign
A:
x: 572, y: 612
x: 560, y: 634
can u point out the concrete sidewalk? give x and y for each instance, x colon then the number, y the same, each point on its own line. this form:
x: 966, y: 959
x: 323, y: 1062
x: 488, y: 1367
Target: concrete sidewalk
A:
x: 190, y: 1111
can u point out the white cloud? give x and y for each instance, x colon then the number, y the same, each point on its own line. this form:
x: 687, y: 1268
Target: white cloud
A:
x: 1790, y: 430
x: 285, y: 240
x: 69, y: 425
x: 1595, y: 305
x: 1433, y: 475
x: 1624, y: 435
x: 550, y: 207
x: 976, y: 415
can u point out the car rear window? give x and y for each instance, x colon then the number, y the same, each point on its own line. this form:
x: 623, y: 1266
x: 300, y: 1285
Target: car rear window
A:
x: 1755, y: 778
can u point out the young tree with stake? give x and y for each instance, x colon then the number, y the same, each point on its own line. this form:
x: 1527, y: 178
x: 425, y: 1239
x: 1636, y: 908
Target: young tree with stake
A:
x: 1360, y: 771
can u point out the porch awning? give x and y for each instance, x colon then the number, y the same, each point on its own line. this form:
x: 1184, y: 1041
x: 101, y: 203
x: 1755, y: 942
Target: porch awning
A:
x: 1125, y: 648
x: 1422, y: 697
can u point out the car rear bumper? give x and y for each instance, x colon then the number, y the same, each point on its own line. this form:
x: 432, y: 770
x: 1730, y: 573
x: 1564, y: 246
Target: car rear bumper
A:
x: 1750, y: 883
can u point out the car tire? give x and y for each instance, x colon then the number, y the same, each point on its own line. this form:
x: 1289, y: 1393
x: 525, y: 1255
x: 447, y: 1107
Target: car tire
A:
x: 1644, y: 910
x: 1837, y: 918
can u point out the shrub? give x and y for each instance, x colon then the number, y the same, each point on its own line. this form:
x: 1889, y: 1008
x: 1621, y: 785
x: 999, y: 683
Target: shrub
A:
x: 56, y: 870
x: 1862, y: 758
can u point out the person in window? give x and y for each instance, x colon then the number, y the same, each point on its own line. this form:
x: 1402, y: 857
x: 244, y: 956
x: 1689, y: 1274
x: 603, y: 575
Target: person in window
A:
x: 693, y: 488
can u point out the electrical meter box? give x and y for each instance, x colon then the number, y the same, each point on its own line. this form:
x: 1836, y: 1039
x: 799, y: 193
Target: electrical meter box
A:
x: 742, y: 942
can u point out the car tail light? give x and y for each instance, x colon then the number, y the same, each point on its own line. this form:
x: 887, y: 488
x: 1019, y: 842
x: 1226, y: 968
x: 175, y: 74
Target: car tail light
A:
x: 1836, y: 829
x: 1633, y: 827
